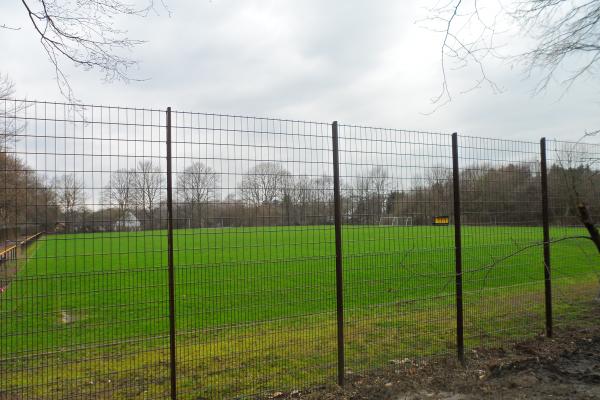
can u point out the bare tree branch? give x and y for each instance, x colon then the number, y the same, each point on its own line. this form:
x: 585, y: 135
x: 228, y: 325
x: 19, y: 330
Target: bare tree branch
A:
x: 10, y: 127
x: 468, y: 38
x: 82, y: 32
x: 10, y: 28
x: 560, y: 31
x: 586, y: 220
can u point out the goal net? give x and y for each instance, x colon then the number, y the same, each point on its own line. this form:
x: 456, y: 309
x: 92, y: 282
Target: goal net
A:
x: 396, y: 221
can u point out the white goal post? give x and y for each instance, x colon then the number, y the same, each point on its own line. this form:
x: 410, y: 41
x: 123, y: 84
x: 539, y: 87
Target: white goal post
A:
x: 396, y: 221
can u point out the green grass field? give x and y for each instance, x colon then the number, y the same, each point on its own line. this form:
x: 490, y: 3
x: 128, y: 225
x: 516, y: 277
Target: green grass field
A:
x: 115, y: 285
x: 89, y: 289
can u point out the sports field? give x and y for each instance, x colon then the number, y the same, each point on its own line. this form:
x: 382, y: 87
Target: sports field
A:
x: 87, y: 314
x: 86, y: 288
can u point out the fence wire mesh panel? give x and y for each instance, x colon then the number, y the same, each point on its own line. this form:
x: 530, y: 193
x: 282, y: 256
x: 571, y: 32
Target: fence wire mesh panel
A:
x: 502, y: 237
x: 159, y: 254
x: 84, y: 304
x: 573, y: 178
x: 254, y: 254
x: 398, y: 265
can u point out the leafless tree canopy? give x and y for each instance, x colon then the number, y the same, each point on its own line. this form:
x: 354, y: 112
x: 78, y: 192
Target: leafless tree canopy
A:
x: 373, y: 182
x: 9, y: 127
x: 562, y: 30
x: 25, y: 198
x: 149, y: 186
x: 368, y: 192
x: 306, y: 190
x: 265, y: 183
x: 70, y: 194
x: 82, y: 32
x: 558, y: 30
x: 197, y: 184
x: 576, y: 175
x: 119, y: 191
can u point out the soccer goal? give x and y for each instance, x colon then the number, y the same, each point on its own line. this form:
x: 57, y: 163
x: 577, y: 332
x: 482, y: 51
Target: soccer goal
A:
x: 396, y: 221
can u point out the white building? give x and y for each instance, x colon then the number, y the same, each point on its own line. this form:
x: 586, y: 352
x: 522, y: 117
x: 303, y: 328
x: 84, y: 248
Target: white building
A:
x: 128, y: 222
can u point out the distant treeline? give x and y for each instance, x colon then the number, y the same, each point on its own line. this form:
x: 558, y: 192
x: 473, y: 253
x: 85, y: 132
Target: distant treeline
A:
x: 267, y: 194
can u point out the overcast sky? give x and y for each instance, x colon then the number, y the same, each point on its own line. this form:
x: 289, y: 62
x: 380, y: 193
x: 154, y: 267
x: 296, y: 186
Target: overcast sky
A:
x: 359, y: 62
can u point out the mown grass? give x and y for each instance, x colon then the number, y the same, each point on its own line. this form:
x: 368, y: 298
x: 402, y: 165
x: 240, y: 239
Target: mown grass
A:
x: 220, y: 365
x: 255, y: 305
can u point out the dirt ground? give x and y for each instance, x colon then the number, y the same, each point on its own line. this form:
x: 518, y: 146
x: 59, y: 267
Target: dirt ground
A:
x: 564, y: 367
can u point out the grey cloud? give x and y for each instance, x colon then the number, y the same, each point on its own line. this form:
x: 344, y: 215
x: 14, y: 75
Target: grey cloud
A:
x: 354, y: 61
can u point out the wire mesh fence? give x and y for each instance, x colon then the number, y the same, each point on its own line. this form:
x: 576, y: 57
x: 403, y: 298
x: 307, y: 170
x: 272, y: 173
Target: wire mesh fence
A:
x: 503, y: 265
x: 398, y: 267
x: 255, y: 264
x: 572, y: 180
x: 163, y: 254
x: 94, y: 285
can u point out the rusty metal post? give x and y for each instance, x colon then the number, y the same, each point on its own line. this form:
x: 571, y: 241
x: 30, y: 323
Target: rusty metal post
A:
x: 339, y: 281
x: 173, y: 363
x: 460, y: 344
x: 546, y: 223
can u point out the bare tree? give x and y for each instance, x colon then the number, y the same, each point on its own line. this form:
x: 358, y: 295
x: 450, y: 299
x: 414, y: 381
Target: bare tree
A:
x: 558, y: 30
x: 148, y: 183
x: 196, y: 186
x: 577, y: 179
x: 297, y: 200
x: 7, y: 87
x: 120, y: 190
x: 374, y: 181
x: 323, y: 189
x: 320, y: 198
x: 579, y: 168
x: 265, y: 183
x: 9, y: 109
x: 197, y: 183
x: 369, y: 191
x: 25, y: 198
x: 70, y: 195
x: 438, y: 180
x: 83, y: 33
x: 312, y: 189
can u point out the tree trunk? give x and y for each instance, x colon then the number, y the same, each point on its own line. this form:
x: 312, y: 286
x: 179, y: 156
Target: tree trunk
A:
x: 586, y: 220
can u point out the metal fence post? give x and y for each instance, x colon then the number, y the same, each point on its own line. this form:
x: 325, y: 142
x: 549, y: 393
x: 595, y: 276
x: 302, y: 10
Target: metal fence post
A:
x: 339, y: 282
x: 460, y: 345
x: 173, y: 364
x: 546, y: 223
